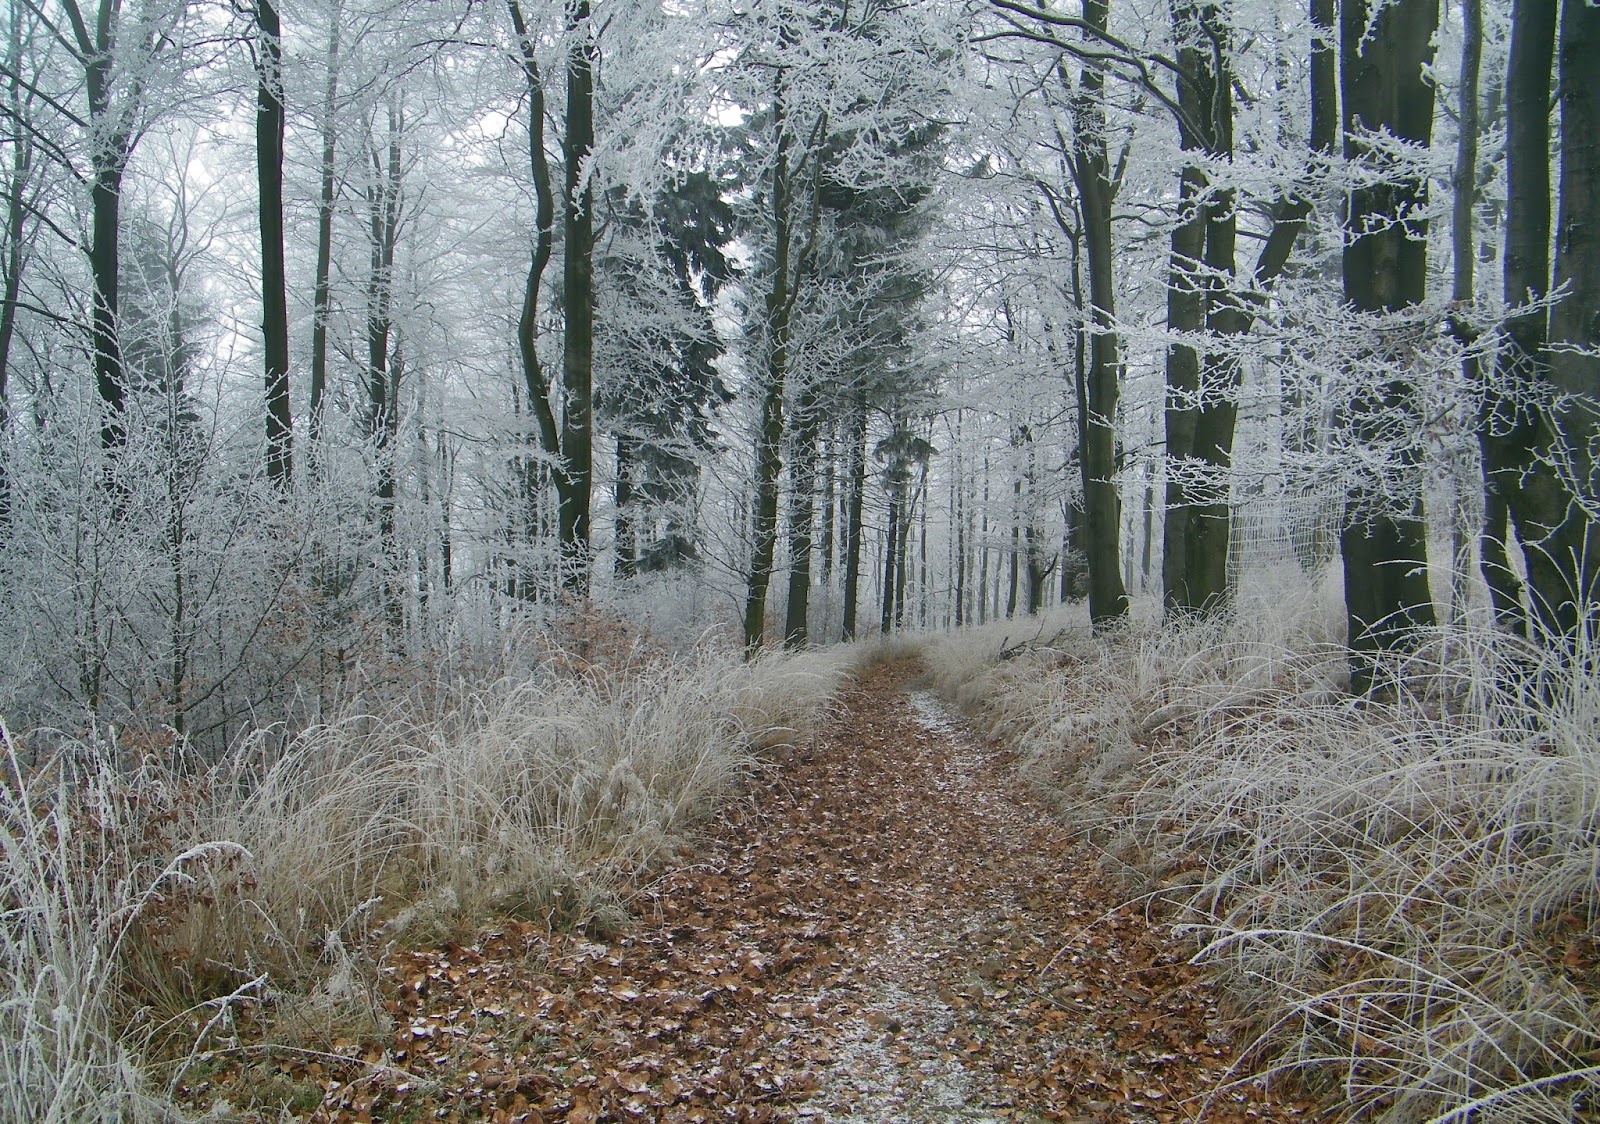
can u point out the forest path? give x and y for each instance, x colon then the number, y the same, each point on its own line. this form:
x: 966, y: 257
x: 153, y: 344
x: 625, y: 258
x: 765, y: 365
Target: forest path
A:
x: 884, y: 930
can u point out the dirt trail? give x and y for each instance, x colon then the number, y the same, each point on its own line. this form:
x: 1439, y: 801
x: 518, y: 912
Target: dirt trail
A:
x: 883, y: 931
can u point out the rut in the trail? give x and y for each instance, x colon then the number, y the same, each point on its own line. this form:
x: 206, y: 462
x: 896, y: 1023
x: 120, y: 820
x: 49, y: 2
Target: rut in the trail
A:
x: 883, y: 931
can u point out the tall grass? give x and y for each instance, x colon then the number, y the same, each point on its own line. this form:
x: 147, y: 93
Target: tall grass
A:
x: 143, y: 903
x: 1406, y: 893
x: 79, y: 878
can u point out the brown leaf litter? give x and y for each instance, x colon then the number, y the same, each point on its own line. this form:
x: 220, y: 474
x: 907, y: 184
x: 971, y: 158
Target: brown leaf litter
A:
x: 884, y: 930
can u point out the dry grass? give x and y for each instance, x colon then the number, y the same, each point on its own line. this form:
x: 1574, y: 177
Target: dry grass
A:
x: 146, y: 907
x: 1406, y: 894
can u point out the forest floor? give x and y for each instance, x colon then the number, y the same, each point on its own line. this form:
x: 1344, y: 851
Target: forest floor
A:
x: 885, y: 929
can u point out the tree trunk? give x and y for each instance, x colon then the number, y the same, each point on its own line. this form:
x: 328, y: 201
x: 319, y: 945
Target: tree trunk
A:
x: 577, y: 273
x: 1203, y: 412
x: 446, y: 463
x: 1185, y: 306
x: 15, y: 259
x: 274, y: 296
x: 1185, y: 313
x: 104, y: 263
x: 802, y: 519
x: 908, y: 505
x: 104, y: 266
x: 958, y: 519
x: 1210, y: 528
x: 382, y: 374
x: 110, y: 144
x: 922, y: 548
x: 1013, y: 578
x: 535, y: 381
x: 1463, y: 283
x: 1575, y: 324
x: 322, y: 287
x: 891, y: 555
x: 1108, y: 598
x: 769, y: 442
x: 626, y: 535
x: 785, y: 282
x: 1382, y: 66
x: 855, y: 494
x: 1510, y: 426
x: 983, y: 547
x: 827, y: 542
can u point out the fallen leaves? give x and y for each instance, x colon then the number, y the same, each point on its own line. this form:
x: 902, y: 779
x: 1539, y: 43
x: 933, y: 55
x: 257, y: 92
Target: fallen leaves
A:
x: 884, y: 927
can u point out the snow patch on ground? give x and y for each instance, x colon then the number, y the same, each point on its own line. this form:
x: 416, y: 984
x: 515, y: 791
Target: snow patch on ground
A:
x: 901, y: 1060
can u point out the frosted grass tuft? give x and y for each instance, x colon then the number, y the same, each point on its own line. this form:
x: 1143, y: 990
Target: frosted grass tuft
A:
x: 1405, y: 892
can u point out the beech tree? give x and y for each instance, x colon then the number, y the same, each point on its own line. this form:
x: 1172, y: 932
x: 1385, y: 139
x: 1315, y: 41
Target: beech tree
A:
x: 118, y: 57
x: 327, y: 192
x: 566, y: 415
x: 268, y: 56
x: 385, y: 359
x: 1095, y: 186
x: 1208, y: 301
x: 21, y: 194
x: 1539, y: 420
x: 1388, y: 125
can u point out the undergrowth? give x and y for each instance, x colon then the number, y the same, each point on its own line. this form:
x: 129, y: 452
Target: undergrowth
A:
x: 1402, y: 895
x: 158, y: 913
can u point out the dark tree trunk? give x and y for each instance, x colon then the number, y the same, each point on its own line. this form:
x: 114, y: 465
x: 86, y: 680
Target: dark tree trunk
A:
x: 535, y: 381
x: 274, y: 296
x: 1210, y: 529
x: 110, y: 159
x: 110, y: 145
x: 1014, y: 576
x: 1463, y: 282
x: 627, y: 530
x: 855, y: 494
x: 827, y: 540
x: 1382, y: 63
x: 322, y: 287
x: 1185, y: 304
x: 104, y: 263
x: 908, y: 503
x: 1510, y: 427
x: 1185, y: 313
x: 802, y: 519
x: 788, y: 269
x: 15, y: 259
x: 769, y: 442
x: 959, y: 519
x: 15, y: 232
x: 577, y: 352
x: 1574, y: 358
x: 1108, y: 597
x: 1202, y: 410
x: 1574, y: 322
x: 1464, y: 185
x: 446, y: 537
x: 891, y: 555
x: 383, y: 369
x: 983, y: 547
